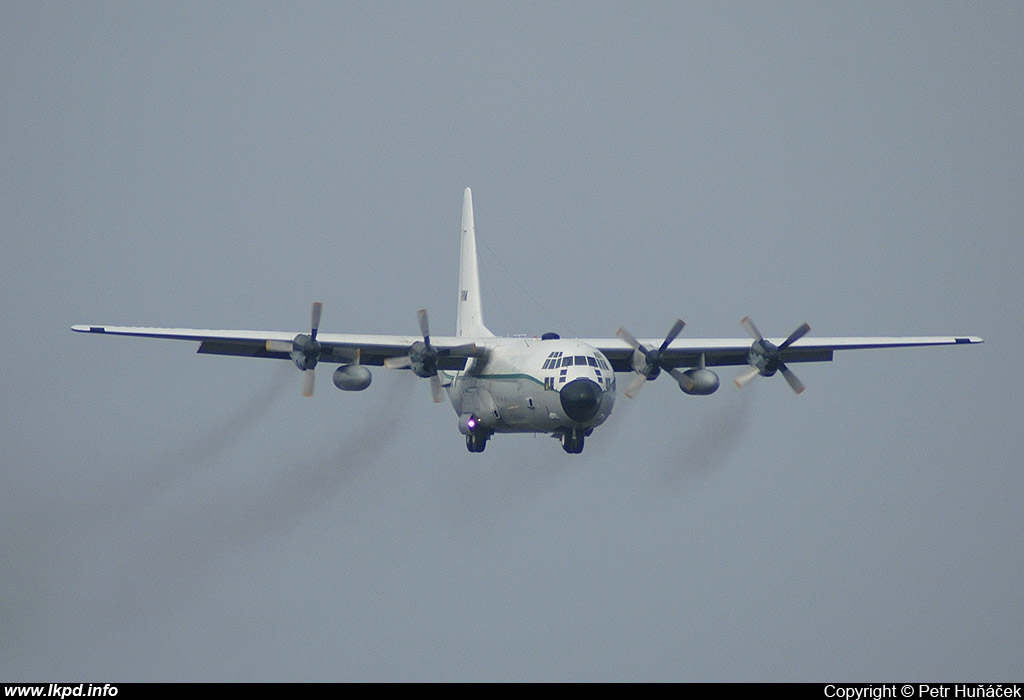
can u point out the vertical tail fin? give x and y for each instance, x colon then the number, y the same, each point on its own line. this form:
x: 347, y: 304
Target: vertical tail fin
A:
x: 469, y: 319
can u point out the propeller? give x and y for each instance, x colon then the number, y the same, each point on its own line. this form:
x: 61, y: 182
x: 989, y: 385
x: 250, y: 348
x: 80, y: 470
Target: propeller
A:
x: 304, y: 350
x: 423, y: 357
x: 648, y: 362
x: 765, y: 358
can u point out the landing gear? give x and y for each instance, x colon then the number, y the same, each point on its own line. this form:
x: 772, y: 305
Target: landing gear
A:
x: 572, y: 440
x: 476, y: 441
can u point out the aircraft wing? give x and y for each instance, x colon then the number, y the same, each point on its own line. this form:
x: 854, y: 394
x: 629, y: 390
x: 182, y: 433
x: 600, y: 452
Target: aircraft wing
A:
x: 337, y: 347
x: 686, y: 353
x: 375, y: 349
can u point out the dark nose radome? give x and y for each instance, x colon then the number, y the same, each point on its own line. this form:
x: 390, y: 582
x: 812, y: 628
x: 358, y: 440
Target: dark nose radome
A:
x: 580, y: 399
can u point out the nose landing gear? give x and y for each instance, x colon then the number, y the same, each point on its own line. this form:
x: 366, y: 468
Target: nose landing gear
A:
x: 573, y: 439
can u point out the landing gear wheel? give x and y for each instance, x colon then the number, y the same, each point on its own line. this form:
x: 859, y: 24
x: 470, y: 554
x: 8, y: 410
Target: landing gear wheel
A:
x: 477, y: 441
x: 572, y: 441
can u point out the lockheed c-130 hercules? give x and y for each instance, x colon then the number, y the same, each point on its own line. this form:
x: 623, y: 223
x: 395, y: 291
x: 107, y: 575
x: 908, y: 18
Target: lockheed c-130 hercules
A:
x: 558, y: 386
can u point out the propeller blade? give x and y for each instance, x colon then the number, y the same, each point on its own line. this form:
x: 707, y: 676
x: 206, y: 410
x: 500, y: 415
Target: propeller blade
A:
x: 639, y: 361
x: 304, y: 350
x: 424, y: 325
x: 435, y: 389
x: 635, y: 386
x: 765, y: 358
x: 423, y: 357
x: 625, y: 335
x: 467, y: 350
x: 314, y: 321
x: 744, y: 377
x: 677, y: 327
x: 751, y: 328
x: 397, y: 362
x: 647, y: 362
x: 795, y: 336
x: 794, y: 383
x: 684, y: 382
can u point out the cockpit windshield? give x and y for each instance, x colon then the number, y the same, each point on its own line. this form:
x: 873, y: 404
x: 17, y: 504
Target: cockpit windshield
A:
x: 556, y: 359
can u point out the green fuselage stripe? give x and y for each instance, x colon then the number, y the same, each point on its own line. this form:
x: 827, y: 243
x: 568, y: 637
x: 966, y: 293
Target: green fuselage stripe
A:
x: 498, y: 377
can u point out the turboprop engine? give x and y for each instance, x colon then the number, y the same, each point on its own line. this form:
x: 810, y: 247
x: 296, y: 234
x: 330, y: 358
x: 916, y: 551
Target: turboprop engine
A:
x: 423, y: 357
x: 306, y: 352
x: 648, y: 363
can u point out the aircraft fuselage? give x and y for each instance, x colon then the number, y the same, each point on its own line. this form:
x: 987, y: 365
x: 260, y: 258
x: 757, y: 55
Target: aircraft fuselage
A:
x: 530, y: 385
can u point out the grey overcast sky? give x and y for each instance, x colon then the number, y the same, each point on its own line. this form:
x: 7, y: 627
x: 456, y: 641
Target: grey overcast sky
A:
x: 168, y: 516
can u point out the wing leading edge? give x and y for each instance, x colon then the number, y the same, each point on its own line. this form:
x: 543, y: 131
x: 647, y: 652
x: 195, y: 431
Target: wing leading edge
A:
x: 337, y: 347
x: 721, y: 352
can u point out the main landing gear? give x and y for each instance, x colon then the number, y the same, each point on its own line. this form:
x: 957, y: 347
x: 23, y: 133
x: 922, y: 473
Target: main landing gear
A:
x: 476, y: 441
x: 572, y: 439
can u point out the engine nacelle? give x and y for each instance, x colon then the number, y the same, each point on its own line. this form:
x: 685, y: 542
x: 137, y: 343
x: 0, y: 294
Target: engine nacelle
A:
x: 305, y: 352
x: 764, y: 357
x: 704, y: 382
x: 423, y: 359
x: 352, y: 377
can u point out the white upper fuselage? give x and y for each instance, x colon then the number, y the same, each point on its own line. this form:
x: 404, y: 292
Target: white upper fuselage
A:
x: 516, y: 386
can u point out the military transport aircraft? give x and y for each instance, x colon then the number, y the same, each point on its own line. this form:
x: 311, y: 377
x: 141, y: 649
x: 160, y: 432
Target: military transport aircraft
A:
x: 564, y: 387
